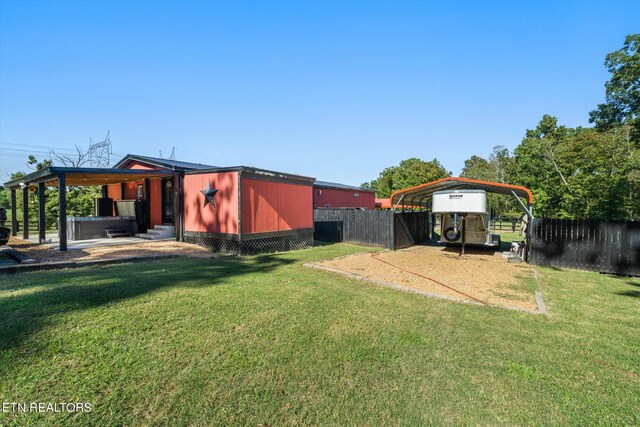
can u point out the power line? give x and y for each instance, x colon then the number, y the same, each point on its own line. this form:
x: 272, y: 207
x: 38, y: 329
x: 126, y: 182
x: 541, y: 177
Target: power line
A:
x: 43, y: 135
x: 24, y: 151
x: 69, y: 150
x: 14, y: 155
x: 12, y: 145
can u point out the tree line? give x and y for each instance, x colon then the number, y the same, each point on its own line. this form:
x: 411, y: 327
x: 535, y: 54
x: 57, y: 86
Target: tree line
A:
x: 574, y: 173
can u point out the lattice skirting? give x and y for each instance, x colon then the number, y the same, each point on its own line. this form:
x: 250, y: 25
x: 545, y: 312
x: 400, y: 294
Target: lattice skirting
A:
x: 282, y: 243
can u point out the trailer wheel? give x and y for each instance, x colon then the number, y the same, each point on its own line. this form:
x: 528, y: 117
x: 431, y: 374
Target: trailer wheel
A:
x: 451, y: 235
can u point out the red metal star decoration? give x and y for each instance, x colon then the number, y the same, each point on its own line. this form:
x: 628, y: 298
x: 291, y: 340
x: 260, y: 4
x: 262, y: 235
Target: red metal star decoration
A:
x: 209, y: 193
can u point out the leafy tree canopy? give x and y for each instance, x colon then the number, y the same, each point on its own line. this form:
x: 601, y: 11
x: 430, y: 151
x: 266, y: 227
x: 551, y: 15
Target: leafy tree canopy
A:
x: 622, y: 91
x: 408, y: 173
x: 573, y: 173
x: 496, y: 168
x: 38, y: 165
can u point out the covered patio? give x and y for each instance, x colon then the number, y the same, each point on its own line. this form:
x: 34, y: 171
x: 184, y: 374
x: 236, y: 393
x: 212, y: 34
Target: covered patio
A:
x: 63, y: 177
x: 53, y: 241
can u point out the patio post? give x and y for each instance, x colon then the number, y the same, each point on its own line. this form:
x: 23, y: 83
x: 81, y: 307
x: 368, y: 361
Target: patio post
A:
x: 147, y: 202
x: 14, y: 213
x: 42, y: 226
x: 105, y: 191
x: 25, y: 213
x: 62, y: 211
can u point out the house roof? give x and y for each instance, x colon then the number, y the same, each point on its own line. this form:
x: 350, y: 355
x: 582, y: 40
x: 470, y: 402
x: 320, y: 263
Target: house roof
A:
x: 254, y: 171
x: 338, y: 186
x: 165, y: 163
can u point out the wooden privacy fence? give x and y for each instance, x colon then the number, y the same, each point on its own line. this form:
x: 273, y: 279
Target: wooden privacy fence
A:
x: 389, y: 229
x: 603, y: 246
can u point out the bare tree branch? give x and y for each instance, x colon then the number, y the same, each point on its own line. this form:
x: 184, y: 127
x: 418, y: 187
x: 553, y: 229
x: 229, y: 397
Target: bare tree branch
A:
x: 73, y: 161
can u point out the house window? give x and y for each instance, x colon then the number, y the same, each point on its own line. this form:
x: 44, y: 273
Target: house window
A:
x: 140, y: 192
x: 356, y: 194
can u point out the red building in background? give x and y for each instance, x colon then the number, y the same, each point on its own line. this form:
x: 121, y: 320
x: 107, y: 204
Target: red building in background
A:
x: 334, y: 195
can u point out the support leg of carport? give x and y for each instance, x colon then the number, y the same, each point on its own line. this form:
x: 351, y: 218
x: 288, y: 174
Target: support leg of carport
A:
x: 462, y: 234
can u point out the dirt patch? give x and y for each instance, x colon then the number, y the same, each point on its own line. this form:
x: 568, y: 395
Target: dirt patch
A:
x: 43, y: 253
x: 478, y: 276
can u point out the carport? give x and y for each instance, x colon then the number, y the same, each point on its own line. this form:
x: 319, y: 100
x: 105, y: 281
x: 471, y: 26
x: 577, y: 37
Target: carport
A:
x: 421, y: 195
x: 62, y: 177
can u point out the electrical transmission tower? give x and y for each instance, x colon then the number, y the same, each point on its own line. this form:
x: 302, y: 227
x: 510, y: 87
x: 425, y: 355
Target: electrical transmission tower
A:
x: 173, y: 154
x: 100, y: 152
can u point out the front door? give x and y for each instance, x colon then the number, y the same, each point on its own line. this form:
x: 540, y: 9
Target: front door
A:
x: 167, y: 200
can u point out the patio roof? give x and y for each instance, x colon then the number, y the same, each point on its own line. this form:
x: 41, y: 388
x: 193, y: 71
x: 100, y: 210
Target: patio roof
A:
x: 85, y: 176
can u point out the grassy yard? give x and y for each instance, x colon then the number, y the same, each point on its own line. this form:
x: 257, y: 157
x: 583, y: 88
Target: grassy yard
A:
x: 264, y: 340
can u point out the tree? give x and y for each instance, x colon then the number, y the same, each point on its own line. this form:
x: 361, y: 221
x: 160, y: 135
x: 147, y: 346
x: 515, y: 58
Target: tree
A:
x: 38, y: 165
x: 579, y: 173
x: 622, y: 91
x: 496, y: 169
x: 539, y: 165
x: 80, y: 158
x: 408, y: 173
x: 477, y: 167
x: 601, y: 175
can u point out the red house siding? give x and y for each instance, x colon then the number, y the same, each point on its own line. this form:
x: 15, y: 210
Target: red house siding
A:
x: 336, y: 198
x: 221, y: 219
x: 113, y: 191
x: 275, y: 206
x: 144, y: 166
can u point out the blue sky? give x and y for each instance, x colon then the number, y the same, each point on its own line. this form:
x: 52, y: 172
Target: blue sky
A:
x: 334, y: 90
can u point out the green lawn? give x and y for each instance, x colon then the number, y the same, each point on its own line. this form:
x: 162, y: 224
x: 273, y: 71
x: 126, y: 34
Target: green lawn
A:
x: 264, y: 340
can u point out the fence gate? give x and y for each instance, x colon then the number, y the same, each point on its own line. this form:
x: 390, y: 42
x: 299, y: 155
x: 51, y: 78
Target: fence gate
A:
x: 388, y: 229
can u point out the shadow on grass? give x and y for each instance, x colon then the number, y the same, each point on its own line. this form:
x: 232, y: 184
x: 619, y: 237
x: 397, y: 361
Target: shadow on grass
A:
x: 76, y: 290
x: 633, y: 294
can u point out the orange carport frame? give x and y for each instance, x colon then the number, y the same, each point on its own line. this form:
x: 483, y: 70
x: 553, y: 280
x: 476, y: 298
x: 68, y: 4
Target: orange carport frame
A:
x: 421, y: 195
